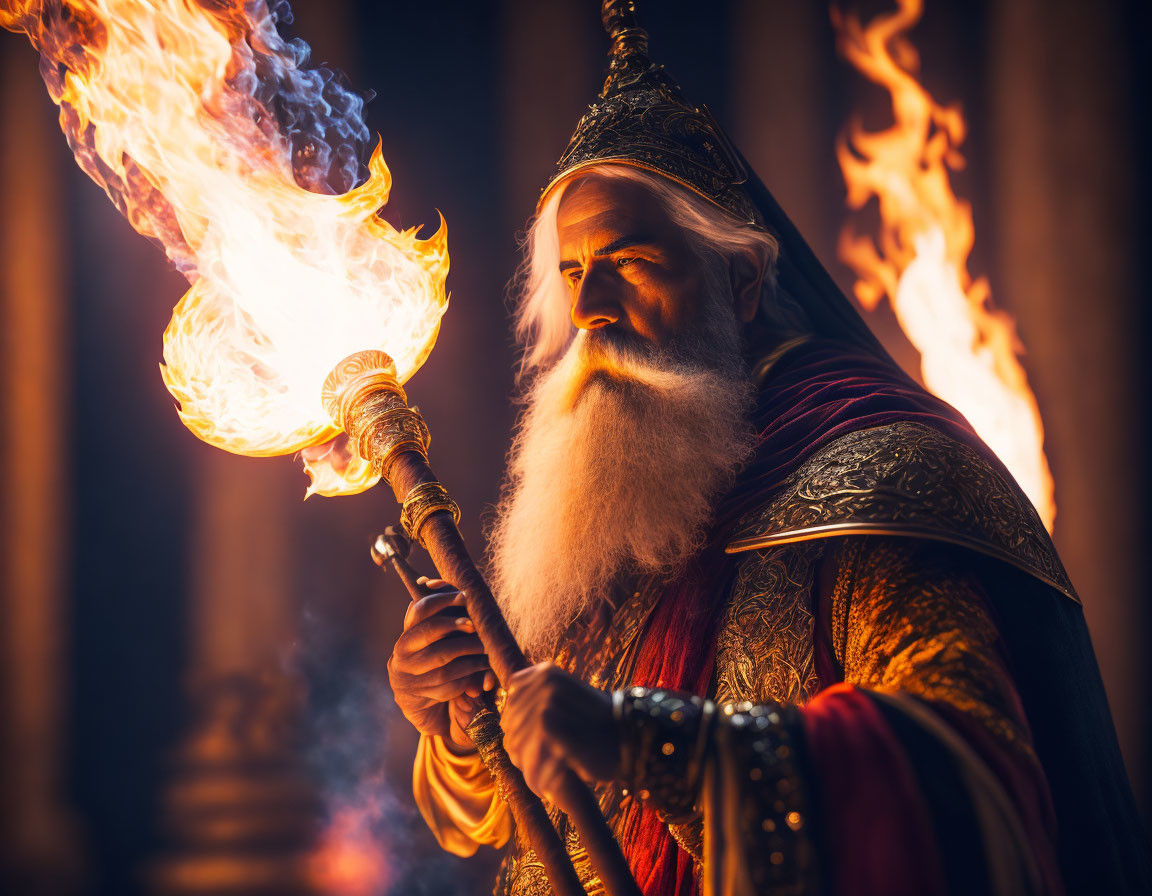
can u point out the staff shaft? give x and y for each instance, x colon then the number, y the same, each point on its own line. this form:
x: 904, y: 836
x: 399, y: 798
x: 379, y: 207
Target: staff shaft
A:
x: 442, y: 540
x: 363, y: 396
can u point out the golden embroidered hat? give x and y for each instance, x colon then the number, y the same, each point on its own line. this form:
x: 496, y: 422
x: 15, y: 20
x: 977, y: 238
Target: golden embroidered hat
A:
x: 642, y: 119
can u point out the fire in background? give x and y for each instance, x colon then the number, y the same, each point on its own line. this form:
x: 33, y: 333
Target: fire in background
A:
x: 969, y: 350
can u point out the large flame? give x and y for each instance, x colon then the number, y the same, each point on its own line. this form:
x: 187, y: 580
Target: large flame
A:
x: 969, y: 351
x: 204, y: 127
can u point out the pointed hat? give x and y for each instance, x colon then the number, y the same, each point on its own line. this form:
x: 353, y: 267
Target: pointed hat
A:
x: 642, y: 119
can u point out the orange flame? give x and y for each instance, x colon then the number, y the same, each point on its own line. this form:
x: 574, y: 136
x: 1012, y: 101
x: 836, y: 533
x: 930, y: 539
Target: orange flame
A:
x: 178, y: 111
x: 969, y: 350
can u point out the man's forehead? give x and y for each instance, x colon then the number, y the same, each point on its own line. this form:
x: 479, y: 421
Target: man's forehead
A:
x: 598, y: 207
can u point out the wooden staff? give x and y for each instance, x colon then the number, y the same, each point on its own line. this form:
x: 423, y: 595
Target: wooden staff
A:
x: 364, y: 398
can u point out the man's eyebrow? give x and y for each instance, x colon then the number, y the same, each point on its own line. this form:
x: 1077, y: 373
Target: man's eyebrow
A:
x: 623, y: 243
x: 616, y: 245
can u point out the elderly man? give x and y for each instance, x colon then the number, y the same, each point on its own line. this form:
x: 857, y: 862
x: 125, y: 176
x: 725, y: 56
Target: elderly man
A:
x: 794, y: 621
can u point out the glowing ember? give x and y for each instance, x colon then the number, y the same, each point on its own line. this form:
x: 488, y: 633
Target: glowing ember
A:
x: 207, y: 132
x: 969, y: 351
x: 350, y: 860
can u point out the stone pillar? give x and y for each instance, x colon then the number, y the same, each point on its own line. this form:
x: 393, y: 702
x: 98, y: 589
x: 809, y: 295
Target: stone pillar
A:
x: 777, y: 90
x: 784, y: 102
x: 1064, y: 218
x: 239, y: 811
x: 548, y: 84
x: 38, y: 838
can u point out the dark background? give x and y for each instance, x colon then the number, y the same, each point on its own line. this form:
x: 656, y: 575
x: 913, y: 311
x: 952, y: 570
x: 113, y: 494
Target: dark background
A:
x: 141, y: 566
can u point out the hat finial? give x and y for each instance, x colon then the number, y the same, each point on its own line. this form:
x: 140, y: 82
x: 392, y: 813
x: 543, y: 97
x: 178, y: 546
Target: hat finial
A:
x: 628, y: 55
x: 643, y: 119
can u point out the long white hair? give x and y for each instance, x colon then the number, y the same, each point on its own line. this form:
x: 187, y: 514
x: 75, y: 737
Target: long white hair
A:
x: 621, y: 453
x: 541, y: 299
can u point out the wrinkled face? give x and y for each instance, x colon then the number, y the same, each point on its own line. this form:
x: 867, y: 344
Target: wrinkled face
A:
x: 635, y: 430
x: 628, y: 267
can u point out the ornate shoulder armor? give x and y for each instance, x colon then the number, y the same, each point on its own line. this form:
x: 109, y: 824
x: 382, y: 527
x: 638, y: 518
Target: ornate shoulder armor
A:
x: 906, y: 479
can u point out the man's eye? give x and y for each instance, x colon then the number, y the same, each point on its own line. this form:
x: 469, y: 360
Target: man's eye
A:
x: 624, y: 261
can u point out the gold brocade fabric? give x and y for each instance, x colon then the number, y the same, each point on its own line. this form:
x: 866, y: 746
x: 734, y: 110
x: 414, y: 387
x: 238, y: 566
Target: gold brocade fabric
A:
x: 876, y: 536
x: 910, y: 622
x: 764, y: 652
x: 909, y: 480
x: 905, y: 617
x: 602, y: 651
x: 908, y: 617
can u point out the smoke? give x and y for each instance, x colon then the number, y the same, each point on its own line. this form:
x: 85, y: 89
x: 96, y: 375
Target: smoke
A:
x: 371, y: 840
x: 315, y: 111
x: 310, y: 116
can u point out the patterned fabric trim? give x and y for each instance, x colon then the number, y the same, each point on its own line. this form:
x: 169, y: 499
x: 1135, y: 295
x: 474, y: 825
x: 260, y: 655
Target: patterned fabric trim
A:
x: 764, y: 650
x: 906, y: 479
x: 907, y: 618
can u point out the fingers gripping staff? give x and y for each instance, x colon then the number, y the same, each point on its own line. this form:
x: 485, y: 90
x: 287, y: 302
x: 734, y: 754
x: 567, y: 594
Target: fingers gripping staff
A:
x: 555, y: 724
x: 365, y: 400
x: 429, y: 704
x: 438, y: 668
x: 437, y: 665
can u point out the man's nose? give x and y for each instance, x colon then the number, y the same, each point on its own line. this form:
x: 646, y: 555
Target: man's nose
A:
x: 595, y: 304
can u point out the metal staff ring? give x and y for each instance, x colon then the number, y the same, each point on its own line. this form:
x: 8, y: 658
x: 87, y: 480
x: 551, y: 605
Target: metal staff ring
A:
x: 421, y: 502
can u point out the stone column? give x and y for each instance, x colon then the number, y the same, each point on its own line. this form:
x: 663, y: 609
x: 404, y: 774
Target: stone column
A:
x: 777, y: 88
x: 38, y: 838
x: 1064, y: 217
x: 783, y: 97
x: 548, y: 85
x: 239, y: 811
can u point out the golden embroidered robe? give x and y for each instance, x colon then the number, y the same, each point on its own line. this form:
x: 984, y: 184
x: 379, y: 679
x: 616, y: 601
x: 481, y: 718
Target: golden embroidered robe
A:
x: 870, y: 573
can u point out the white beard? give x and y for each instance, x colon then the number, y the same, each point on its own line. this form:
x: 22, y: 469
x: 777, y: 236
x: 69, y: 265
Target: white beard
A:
x: 616, y: 466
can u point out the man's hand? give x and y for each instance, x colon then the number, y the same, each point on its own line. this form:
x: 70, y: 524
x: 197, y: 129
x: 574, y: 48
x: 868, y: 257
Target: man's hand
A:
x: 438, y: 666
x: 554, y: 723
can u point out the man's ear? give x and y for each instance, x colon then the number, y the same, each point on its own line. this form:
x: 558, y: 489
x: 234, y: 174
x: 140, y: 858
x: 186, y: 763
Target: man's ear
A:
x: 747, y: 270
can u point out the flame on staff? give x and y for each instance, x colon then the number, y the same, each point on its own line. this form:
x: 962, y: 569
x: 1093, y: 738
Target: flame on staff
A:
x: 207, y: 131
x: 969, y: 350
